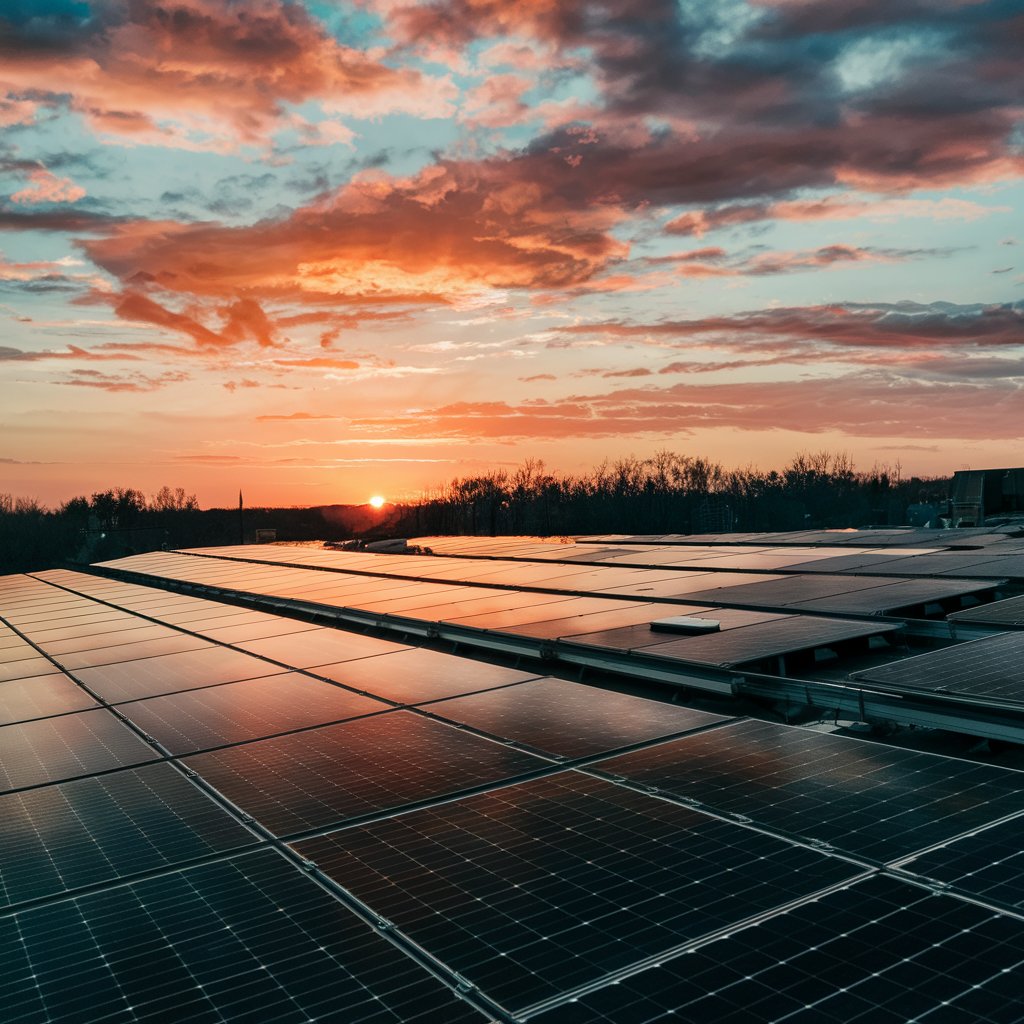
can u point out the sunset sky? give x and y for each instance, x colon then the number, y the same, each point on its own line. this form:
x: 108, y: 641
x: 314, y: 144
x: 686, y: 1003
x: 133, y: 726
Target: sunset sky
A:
x: 325, y: 250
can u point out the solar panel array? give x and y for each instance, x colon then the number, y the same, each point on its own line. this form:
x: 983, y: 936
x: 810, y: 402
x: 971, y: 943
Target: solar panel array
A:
x: 581, y: 619
x: 283, y: 821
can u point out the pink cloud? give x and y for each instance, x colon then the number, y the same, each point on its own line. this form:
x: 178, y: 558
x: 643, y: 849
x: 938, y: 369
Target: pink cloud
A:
x: 44, y: 187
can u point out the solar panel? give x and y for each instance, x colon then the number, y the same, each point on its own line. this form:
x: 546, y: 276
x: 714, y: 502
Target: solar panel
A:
x: 415, y: 675
x: 761, y: 640
x: 999, y: 613
x: 113, y: 655
x: 870, y: 800
x: 41, y: 697
x: 569, y: 719
x: 987, y: 864
x: 61, y: 643
x: 553, y: 883
x: 320, y: 647
x: 319, y: 778
x: 25, y: 667
x: 235, y: 712
x: 189, y: 670
x: 992, y: 667
x: 259, y: 630
x: 243, y: 939
x: 54, y: 749
x: 877, y: 951
x: 629, y: 638
x: 63, y: 837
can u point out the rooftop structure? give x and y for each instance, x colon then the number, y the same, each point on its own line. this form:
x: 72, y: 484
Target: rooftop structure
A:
x: 285, y: 783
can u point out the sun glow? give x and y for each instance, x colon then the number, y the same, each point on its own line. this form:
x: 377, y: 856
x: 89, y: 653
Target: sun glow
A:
x: 377, y: 501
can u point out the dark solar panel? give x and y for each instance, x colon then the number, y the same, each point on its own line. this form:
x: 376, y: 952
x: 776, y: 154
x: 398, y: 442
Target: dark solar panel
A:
x: 41, y: 697
x: 992, y: 667
x: 325, y: 776
x: 200, y: 719
x: 893, y: 596
x: 988, y: 864
x: 569, y: 719
x: 320, y: 647
x: 779, y: 593
x: 415, y: 675
x: 766, y: 639
x: 54, y: 749
x: 868, y: 799
x: 550, y: 884
x: 629, y: 638
x: 999, y: 613
x: 79, y: 833
x: 248, y: 939
x: 877, y: 952
x: 190, y: 670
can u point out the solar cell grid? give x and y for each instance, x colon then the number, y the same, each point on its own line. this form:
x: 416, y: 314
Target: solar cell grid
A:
x: 244, y: 939
x: 569, y: 719
x: 319, y: 778
x: 54, y: 749
x: 106, y: 642
x: 25, y: 667
x: 1009, y: 612
x: 992, y: 667
x: 870, y: 800
x: 176, y: 643
x: 414, y: 675
x: 80, y: 833
x: 550, y: 884
x: 878, y: 952
x: 41, y: 697
x: 150, y: 677
x: 987, y: 864
x: 235, y: 712
x: 321, y: 646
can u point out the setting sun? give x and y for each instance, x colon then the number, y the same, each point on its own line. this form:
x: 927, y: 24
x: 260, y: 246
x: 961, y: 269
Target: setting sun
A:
x: 377, y: 501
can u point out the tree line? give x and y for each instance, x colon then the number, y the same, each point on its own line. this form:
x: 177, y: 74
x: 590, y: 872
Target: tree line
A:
x: 666, y: 493
x: 673, y: 493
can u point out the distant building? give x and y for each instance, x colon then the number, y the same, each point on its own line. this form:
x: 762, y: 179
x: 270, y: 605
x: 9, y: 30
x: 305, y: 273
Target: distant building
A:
x: 980, y: 494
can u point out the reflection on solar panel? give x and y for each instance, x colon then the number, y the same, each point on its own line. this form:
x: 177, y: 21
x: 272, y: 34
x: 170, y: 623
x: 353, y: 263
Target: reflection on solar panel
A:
x: 54, y: 749
x: 41, y: 697
x: 63, y: 837
x: 126, y: 652
x: 876, y: 951
x: 992, y: 667
x: 570, y: 720
x: 762, y: 640
x: 244, y: 939
x: 987, y: 864
x: 550, y: 884
x: 320, y: 647
x: 150, y: 677
x: 25, y: 667
x: 218, y: 715
x: 870, y: 800
x: 314, y: 779
x: 415, y: 675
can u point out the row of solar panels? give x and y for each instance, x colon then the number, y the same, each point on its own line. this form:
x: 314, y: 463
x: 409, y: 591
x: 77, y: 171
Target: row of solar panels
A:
x: 831, y: 594
x: 878, y: 565
x: 893, y: 537
x: 989, y: 670
x: 607, y: 624
x: 524, y: 847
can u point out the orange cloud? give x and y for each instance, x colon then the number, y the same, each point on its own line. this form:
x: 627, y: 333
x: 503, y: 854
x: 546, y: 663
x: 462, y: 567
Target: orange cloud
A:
x: 203, y: 74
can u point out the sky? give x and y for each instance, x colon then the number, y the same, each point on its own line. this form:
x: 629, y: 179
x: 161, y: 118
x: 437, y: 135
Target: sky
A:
x: 325, y: 250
